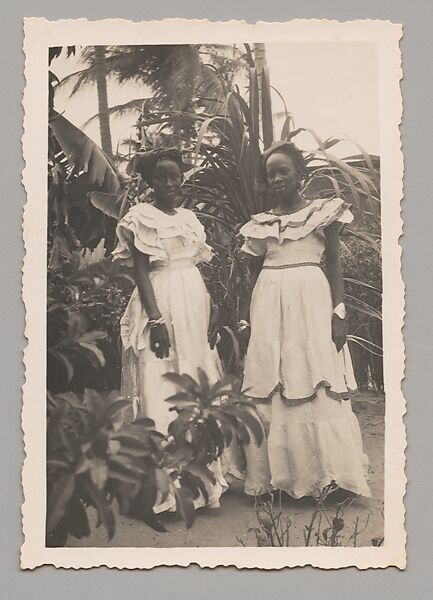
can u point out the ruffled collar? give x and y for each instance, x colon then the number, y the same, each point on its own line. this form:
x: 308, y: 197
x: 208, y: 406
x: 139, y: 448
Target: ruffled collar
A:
x: 149, y: 209
x: 315, y: 216
x: 297, y: 218
x: 178, y: 224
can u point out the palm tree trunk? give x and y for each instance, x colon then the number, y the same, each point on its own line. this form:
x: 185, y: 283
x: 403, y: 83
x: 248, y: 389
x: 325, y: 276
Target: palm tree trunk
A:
x: 101, y: 84
x: 264, y: 93
x: 259, y: 57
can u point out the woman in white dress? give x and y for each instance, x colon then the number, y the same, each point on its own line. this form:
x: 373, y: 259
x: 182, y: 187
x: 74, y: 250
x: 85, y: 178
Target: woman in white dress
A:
x: 170, y: 323
x: 298, y: 366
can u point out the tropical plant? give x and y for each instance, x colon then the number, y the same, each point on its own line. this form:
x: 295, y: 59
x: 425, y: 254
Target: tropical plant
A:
x: 93, y: 460
x: 365, y: 323
x: 99, y: 55
x: 96, y: 460
x: 225, y: 188
x: 84, y: 306
x: 179, y: 77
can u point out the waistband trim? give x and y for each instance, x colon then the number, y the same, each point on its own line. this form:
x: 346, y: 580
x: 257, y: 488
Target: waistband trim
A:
x: 172, y: 265
x: 291, y: 266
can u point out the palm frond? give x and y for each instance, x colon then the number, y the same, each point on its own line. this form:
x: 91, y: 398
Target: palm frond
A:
x: 119, y: 110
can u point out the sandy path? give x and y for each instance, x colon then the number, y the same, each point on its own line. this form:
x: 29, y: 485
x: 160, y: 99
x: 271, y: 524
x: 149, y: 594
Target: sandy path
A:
x: 229, y: 525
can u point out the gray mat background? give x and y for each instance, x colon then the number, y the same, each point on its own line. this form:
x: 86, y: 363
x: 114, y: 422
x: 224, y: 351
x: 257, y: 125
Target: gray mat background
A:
x: 191, y: 583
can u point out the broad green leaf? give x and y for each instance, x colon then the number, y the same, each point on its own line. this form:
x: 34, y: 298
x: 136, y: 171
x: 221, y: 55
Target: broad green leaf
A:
x: 143, y: 422
x: 123, y: 477
x: 285, y: 131
x: 225, y: 384
x: 78, y: 522
x: 93, y: 400
x: 194, y: 485
x: 58, y: 499
x: 65, y: 362
x: 92, y: 336
x: 162, y: 483
x: 227, y: 425
x: 95, y: 350
x: 105, y: 513
x: 98, y: 472
x: 204, y: 383
x: 83, y: 465
x: 202, y: 472
x: 185, y: 506
x: 115, y: 408
x: 124, y: 465
x: 252, y: 421
x: 182, y: 399
x: 184, y: 381
x: 215, y: 433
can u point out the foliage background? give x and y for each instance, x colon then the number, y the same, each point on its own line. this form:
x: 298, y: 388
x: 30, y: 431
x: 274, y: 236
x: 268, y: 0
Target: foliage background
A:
x: 198, y: 108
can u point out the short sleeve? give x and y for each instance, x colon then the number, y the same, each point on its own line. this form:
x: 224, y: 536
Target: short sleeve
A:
x: 340, y: 215
x: 255, y: 235
x: 137, y: 229
x: 204, y: 251
x: 254, y: 246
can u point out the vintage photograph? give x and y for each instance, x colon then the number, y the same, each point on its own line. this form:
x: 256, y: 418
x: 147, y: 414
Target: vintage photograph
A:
x: 214, y: 296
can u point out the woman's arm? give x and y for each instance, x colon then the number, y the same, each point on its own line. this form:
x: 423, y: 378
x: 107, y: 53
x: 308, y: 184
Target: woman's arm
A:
x: 159, y: 339
x: 336, y: 283
x: 214, y: 322
x: 255, y: 264
x: 144, y: 285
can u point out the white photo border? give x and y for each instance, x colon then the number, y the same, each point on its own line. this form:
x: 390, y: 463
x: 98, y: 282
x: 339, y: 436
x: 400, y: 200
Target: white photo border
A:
x: 40, y: 34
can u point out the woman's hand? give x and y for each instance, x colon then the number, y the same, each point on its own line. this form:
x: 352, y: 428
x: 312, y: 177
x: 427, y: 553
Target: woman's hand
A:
x: 214, y: 325
x: 160, y: 341
x: 244, y: 338
x: 339, y: 331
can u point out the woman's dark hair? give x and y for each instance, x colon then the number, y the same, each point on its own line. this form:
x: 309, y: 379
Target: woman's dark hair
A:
x: 290, y: 150
x: 145, y: 162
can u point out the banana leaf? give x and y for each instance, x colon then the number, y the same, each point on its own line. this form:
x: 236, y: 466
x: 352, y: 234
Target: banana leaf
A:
x: 84, y: 156
x: 93, y: 182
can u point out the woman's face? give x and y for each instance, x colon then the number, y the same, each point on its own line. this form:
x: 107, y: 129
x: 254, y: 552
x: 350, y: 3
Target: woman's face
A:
x: 166, y: 182
x: 283, y: 177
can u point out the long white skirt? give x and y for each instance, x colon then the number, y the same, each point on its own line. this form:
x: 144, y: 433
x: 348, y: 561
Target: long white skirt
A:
x: 308, y: 446
x: 183, y: 301
x: 291, y: 342
x: 316, y: 443
x: 303, y: 383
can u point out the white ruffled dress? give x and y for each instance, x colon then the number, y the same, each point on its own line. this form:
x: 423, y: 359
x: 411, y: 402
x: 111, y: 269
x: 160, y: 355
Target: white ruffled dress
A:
x: 301, y: 383
x: 175, y: 244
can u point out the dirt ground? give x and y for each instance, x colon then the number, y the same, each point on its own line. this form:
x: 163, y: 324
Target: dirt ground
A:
x: 234, y: 522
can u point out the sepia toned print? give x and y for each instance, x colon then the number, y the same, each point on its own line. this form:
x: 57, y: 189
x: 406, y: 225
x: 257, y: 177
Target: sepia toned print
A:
x: 213, y: 295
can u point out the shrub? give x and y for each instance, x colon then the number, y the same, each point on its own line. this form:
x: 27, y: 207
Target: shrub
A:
x: 83, y: 312
x: 94, y: 459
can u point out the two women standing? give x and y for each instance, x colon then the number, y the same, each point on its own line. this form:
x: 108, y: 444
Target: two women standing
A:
x: 297, y: 367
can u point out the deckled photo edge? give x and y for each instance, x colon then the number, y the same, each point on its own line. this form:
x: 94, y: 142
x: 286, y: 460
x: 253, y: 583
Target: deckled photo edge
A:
x: 39, y: 35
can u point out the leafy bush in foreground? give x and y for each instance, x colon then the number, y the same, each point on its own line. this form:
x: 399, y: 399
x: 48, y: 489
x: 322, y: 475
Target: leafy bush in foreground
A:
x: 95, y: 458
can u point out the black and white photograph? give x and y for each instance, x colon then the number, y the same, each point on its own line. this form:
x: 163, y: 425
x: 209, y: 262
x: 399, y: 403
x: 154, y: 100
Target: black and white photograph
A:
x: 213, y: 277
